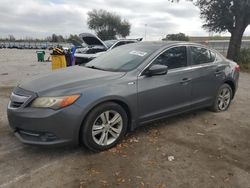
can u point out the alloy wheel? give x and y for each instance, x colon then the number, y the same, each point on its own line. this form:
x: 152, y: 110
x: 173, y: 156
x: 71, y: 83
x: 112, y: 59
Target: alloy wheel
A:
x: 224, y: 99
x: 107, y: 128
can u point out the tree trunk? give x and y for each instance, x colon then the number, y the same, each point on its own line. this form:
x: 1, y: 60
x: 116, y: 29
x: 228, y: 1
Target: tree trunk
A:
x: 233, y: 52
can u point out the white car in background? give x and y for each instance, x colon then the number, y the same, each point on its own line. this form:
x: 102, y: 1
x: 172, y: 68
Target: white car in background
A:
x: 93, y: 47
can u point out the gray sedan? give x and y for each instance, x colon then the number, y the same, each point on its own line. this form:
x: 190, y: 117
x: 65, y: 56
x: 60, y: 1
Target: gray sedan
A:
x: 129, y: 86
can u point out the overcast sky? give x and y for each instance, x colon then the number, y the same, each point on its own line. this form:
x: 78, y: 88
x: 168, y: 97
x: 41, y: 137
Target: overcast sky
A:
x: 41, y: 18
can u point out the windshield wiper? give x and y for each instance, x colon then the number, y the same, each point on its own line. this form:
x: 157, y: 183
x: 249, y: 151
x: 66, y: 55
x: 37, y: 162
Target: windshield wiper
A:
x: 94, y: 67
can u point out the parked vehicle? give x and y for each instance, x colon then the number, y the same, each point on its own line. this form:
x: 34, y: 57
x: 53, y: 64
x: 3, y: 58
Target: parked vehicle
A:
x: 21, y: 46
x: 94, y: 47
x: 43, y: 47
x: 124, y: 88
x: 3, y: 45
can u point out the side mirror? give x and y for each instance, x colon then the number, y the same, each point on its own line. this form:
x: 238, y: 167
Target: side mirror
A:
x: 155, y: 70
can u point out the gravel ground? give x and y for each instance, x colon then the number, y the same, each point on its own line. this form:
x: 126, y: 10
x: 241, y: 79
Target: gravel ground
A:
x: 19, y: 65
x: 197, y: 149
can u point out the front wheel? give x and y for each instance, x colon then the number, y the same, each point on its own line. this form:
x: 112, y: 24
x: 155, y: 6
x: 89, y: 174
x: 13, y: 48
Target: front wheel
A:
x: 105, y: 125
x: 223, y: 98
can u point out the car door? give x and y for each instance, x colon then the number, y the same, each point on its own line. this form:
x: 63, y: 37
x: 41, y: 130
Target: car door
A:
x: 206, y: 75
x: 163, y: 94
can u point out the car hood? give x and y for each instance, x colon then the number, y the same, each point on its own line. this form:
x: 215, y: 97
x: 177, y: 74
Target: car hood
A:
x: 68, y: 80
x: 92, y: 40
x: 88, y: 56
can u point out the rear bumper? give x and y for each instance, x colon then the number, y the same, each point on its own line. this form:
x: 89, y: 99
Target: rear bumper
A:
x: 236, y: 78
x: 46, y: 126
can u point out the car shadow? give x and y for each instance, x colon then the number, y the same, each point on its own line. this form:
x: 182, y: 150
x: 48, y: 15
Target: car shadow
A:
x: 169, y: 121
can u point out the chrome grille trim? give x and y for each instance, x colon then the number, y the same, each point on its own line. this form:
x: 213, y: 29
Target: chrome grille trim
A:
x: 17, y: 101
x: 18, y: 98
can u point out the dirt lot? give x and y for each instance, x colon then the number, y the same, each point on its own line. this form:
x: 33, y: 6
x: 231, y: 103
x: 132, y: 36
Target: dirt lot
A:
x: 209, y: 149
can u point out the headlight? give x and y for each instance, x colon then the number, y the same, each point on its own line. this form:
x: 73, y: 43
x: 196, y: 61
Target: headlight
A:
x: 54, y: 102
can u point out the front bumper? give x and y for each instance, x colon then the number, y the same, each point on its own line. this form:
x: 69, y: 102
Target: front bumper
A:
x: 46, y: 126
x: 82, y: 60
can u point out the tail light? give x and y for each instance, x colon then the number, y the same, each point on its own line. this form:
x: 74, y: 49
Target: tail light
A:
x: 237, y: 68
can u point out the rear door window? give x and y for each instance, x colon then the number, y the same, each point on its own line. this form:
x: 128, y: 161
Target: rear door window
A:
x: 201, y: 55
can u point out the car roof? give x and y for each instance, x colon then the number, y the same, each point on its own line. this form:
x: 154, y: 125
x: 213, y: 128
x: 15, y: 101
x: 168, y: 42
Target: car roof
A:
x: 161, y: 44
x: 154, y: 44
x: 127, y: 40
x: 117, y: 40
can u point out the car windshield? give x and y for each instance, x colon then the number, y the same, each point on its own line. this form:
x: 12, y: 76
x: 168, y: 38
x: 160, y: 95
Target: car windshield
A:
x: 109, y: 43
x: 122, y: 59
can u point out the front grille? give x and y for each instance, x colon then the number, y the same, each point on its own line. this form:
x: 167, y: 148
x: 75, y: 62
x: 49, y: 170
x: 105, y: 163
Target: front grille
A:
x: 16, y: 104
x: 17, y: 101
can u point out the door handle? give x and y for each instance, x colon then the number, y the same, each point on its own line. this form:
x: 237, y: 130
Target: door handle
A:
x: 185, y: 80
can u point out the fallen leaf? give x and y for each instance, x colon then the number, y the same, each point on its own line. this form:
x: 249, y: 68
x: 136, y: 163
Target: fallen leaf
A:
x: 201, y: 134
x: 142, y: 183
x: 162, y: 186
x: 170, y: 158
x: 195, y: 151
x: 117, y: 173
x: 104, y: 182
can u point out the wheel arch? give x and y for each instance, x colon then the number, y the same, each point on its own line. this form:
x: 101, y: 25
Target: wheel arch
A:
x: 232, y: 85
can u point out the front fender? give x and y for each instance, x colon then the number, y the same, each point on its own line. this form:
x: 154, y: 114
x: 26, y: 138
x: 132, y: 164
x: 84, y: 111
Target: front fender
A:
x: 120, y: 93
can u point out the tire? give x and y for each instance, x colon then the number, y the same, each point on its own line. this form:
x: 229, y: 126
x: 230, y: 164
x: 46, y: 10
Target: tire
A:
x: 97, y: 133
x: 223, y: 99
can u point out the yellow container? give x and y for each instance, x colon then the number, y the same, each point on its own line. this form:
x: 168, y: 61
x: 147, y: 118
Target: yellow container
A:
x: 58, y: 61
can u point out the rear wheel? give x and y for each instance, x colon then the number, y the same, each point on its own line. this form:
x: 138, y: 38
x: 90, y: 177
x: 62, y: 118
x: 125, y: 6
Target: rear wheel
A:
x: 103, y: 128
x: 223, y: 98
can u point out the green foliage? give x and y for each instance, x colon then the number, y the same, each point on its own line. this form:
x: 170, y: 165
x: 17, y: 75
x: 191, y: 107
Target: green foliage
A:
x: 244, y: 59
x: 12, y: 38
x: 218, y: 37
x: 124, y: 29
x: 107, y: 25
x: 223, y: 15
x: 74, y: 39
x: 57, y: 38
x: 177, y: 37
x: 226, y: 15
x: 217, y: 15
